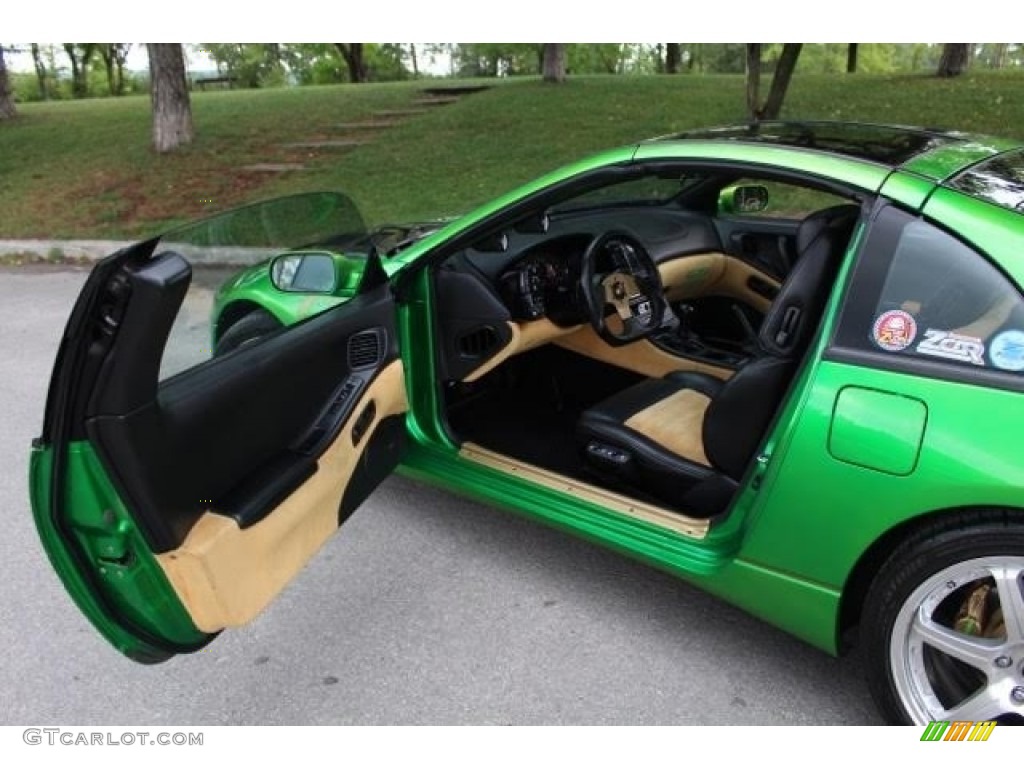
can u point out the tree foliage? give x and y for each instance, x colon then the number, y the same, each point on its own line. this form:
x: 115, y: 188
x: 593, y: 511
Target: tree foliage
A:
x: 250, y: 65
x: 254, y: 65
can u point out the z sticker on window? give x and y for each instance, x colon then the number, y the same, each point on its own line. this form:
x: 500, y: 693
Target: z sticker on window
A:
x: 1006, y: 351
x: 952, y: 346
x: 894, y: 330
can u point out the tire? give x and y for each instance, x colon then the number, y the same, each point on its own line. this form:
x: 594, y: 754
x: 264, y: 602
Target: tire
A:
x: 247, y: 329
x: 933, y: 643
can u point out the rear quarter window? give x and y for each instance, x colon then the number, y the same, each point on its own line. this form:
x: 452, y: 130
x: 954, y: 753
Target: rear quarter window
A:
x: 919, y: 293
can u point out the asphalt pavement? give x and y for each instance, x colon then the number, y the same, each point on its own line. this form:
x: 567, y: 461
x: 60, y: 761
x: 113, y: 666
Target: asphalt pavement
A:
x: 424, y: 609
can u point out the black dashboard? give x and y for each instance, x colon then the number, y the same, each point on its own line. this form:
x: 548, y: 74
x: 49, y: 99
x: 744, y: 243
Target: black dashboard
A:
x: 538, y: 274
x: 544, y: 281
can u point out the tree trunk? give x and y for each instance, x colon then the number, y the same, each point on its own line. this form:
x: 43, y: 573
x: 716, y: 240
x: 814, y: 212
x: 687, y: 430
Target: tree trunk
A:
x: 851, y: 58
x: 554, y: 62
x: 7, y: 110
x: 753, y: 80
x: 673, y: 58
x: 119, y: 74
x: 79, y: 67
x: 999, y: 60
x: 780, y: 81
x: 69, y: 48
x: 954, y: 59
x: 37, y: 62
x: 415, y: 61
x: 172, y: 110
x: 107, y: 54
x: 352, y: 53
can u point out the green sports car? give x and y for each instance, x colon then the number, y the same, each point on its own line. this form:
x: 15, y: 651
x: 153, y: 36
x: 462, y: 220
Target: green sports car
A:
x: 783, y: 361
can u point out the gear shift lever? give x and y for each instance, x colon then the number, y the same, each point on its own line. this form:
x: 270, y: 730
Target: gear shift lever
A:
x: 690, y: 339
x: 684, y: 339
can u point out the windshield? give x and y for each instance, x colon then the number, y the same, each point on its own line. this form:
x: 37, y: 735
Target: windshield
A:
x: 246, y: 235
x: 646, y: 190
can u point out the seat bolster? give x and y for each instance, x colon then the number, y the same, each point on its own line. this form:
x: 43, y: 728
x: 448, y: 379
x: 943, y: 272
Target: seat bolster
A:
x: 669, y: 467
x: 700, y: 382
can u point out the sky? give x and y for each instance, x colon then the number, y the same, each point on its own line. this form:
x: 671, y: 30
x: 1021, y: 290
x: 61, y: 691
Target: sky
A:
x: 523, y: 21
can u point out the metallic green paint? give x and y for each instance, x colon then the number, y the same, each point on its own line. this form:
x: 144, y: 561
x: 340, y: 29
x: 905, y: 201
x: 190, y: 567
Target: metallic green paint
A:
x: 948, y: 160
x: 823, y: 513
x: 129, y: 601
x: 859, y: 173
x: 995, y: 231
x: 908, y: 189
x: 877, y: 430
x: 253, y: 286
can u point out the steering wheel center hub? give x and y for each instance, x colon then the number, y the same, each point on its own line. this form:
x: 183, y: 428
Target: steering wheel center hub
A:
x: 622, y: 288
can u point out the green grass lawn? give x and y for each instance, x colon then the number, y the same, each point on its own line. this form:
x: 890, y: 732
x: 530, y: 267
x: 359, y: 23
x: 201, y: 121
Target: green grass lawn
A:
x: 84, y: 169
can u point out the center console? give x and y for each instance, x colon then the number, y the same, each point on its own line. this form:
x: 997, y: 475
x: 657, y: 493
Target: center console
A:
x: 692, y: 348
x: 677, y: 338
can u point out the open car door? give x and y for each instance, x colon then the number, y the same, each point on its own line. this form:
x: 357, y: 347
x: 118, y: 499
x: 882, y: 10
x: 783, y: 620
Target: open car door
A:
x: 175, y: 507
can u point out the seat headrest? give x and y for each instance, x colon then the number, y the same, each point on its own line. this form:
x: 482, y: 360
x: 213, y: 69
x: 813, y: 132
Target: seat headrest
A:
x: 821, y: 241
x: 820, y: 222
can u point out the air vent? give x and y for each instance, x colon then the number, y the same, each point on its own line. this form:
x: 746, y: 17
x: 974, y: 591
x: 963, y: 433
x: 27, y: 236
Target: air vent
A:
x: 365, y: 349
x: 478, y: 342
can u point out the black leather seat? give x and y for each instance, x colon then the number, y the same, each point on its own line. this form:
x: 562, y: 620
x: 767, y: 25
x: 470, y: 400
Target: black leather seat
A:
x: 687, y: 438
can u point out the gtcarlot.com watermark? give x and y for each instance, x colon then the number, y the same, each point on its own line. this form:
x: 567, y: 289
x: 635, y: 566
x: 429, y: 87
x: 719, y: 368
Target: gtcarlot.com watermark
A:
x: 74, y: 738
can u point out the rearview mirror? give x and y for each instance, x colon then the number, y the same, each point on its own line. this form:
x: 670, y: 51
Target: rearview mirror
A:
x: 743, y: 198
x: 306, y: 272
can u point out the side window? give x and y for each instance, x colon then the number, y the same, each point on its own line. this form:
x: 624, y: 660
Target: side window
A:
x: 920, y: 293
x: 789, y: 201
x: 259, y: 268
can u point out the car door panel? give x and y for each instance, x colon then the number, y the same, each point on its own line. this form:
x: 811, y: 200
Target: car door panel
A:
x: 769, y: 244
x: 225, y: 574
x: 202, y: 436
x: 226, y: 478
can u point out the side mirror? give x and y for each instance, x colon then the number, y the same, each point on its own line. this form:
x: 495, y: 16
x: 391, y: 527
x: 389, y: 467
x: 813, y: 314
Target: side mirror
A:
x: 304, y: 272
x: 743, y: 198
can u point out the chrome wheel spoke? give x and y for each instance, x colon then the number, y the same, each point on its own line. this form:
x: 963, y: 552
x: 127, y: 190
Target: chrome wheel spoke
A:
x: 983, y: 705
x: 1011, y: 600
x: 975, y: 651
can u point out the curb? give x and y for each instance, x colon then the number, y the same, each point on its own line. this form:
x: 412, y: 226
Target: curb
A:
x: 61, y: 251
x: 88, y: 251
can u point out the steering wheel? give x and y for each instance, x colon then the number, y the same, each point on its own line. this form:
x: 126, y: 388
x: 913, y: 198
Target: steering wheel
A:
x: 618, y: 273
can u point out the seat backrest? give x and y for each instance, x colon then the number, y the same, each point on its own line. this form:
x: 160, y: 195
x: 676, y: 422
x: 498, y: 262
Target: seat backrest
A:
x: 738, y: 416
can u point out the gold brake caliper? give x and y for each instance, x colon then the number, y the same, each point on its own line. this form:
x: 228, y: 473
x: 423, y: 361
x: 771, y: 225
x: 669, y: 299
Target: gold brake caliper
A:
x: 973, y: 618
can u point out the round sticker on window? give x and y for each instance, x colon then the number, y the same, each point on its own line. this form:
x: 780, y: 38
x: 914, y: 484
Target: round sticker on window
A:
x: 894, y: 330
x: 1006, y: 351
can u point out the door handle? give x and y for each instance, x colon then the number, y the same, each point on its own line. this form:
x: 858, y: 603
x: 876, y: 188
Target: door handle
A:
x: 760, y: 467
